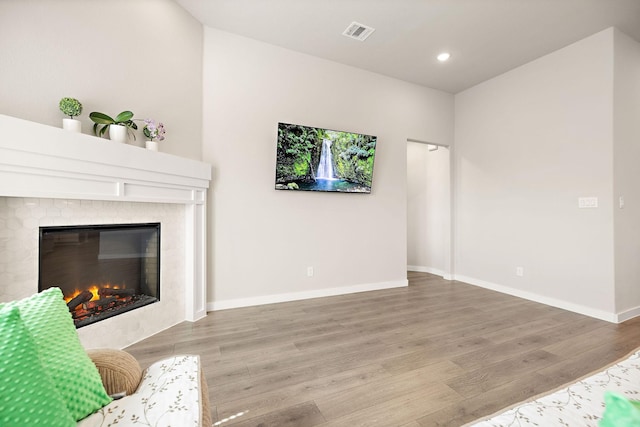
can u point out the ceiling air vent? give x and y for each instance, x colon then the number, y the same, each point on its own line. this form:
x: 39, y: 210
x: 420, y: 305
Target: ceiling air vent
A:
x: 358, y: 31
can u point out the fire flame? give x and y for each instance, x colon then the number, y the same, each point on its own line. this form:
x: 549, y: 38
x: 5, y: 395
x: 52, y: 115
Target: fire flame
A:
x: 94, y: 288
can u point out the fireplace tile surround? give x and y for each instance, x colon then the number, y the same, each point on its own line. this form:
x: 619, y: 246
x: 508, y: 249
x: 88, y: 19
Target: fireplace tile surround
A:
x: 20, y: 219
x: 52, y: 177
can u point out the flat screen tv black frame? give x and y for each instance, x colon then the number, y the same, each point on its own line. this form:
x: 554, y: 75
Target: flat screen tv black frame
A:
x: 320, y: 159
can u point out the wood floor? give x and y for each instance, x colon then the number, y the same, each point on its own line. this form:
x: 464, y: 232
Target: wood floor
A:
x: 436, y: 353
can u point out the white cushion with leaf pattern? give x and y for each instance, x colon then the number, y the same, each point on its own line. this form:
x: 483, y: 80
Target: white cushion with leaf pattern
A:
x: 169, y: 395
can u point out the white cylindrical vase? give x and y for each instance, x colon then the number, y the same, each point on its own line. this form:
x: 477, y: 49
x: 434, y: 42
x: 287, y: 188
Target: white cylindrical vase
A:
x: 151, y: 145
x: 72, y: 124
x: 118, y: 133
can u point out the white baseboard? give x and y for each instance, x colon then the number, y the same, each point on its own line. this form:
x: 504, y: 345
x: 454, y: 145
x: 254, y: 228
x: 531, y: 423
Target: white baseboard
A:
x: 431, y: 270
x: 295, y: 296
x: 565, y: 305
x: 628, y: 314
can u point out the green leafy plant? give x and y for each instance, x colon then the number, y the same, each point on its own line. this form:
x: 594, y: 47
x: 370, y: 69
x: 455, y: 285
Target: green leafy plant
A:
x: 101, y: 122
x: 71, y: 107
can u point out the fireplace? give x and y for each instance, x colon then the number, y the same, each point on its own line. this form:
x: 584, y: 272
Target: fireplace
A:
x: 102, y: 270
x: 50, y: 177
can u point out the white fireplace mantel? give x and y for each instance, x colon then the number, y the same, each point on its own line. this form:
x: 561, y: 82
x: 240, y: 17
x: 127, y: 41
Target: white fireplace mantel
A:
x: 40, y: 161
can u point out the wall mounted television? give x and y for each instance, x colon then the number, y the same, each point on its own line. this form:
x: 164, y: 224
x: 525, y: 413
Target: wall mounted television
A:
x: 318, y: 159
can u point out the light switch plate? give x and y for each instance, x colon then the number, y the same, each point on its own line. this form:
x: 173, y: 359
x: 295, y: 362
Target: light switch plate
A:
x: 587, y: 202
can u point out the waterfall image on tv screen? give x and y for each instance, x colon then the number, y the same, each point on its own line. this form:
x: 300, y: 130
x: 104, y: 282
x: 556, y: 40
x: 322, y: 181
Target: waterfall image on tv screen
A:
x: 317, y: 159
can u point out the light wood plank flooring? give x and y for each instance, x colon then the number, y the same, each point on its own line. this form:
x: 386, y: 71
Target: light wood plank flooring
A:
x: 436, y: 353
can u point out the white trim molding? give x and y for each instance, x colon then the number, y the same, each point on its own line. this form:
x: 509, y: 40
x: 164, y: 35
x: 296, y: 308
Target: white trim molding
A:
x: 296, y: 296
x: 565, y: 305
x: 627, y: 314
x: 430, y: 270
x: 40, y: 161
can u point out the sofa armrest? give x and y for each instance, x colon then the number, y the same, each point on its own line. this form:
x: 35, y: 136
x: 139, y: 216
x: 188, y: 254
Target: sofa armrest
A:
x: 119, y: 370
x: 172, y: 392
x: 206, y: 404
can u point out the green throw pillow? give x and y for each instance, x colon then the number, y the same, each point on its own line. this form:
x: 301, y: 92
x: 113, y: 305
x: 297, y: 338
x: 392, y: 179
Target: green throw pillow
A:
x: 72, y: 372
x: 620, y: 411
x: 27, y: 395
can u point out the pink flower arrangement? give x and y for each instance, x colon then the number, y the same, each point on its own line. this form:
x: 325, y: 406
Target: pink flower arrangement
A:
x: 153, y: 131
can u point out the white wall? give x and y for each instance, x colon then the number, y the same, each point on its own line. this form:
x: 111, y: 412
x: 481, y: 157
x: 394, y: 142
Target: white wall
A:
x: 263, y: 240
x: 528, y: 144
x: 627, y: 173
x: 428, y: 209
x: 138, y: 55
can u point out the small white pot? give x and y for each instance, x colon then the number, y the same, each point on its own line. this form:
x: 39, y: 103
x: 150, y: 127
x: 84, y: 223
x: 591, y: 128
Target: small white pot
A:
x: 151, y: 145
x: 118, y: 133
x: 72, y: 124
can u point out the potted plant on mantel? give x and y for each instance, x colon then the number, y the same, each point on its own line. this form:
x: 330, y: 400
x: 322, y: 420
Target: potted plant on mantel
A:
x: 119, y: 128
x: 155, y: 133
x: 72, y: 108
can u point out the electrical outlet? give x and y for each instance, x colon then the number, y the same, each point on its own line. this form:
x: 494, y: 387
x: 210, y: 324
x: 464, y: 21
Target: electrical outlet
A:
x: 519, y: 271
x: 309, y: 271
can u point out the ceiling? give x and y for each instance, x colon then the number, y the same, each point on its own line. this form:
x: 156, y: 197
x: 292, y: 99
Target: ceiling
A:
x: 485, y: 37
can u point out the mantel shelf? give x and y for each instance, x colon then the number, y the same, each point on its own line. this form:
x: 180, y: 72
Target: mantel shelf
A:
x: 37, y: 160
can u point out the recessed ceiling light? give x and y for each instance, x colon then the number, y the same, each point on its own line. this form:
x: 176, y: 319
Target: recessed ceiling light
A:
x: 444, y: 56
